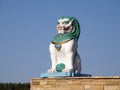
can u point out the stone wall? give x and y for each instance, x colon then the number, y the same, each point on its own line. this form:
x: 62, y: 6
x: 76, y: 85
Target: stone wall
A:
x: 76, y: 83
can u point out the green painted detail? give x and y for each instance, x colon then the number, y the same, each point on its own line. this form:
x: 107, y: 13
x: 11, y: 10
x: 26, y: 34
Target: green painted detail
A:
x: 60, y: 67
x: 74, y: 34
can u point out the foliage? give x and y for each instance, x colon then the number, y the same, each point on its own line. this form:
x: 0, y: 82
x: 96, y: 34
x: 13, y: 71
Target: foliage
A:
x: 14, y: 86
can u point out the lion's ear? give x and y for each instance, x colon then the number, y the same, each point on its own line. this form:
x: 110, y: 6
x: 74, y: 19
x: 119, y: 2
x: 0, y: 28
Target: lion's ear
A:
x: 71, y: 21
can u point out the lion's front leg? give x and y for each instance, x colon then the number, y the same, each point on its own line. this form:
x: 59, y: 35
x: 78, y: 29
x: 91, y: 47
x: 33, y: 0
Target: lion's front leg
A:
x: 53, y: 58
x: 69, y: 49
x: 53, y: 62
x: 69, y: 62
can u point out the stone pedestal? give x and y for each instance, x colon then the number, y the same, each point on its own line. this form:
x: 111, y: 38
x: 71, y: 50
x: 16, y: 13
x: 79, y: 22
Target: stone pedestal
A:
x: 63, y: 74
x: 76, y: 83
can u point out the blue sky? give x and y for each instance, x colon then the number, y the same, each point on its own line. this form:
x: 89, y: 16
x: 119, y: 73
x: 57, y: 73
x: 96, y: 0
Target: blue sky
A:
x: 28, y: 26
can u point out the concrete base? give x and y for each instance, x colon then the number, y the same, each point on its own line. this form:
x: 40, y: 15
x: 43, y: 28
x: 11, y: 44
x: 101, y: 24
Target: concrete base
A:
x: 76, y: 83
x: 62, y: 74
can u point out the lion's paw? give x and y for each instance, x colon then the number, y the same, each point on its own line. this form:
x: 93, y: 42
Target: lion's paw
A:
x: 67, y: 70
x: 51, y: 70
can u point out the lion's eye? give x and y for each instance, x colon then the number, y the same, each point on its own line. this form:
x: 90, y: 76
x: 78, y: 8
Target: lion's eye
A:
x: 65, y: 22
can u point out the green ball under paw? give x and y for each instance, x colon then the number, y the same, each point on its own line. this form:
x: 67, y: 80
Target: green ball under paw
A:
x: 60, y: 67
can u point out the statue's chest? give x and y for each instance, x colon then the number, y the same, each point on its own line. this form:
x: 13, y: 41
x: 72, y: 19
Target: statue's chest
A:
x: 61, y: 45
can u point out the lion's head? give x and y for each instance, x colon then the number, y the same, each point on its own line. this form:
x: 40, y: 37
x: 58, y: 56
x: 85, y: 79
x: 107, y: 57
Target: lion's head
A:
x: 68, y: 28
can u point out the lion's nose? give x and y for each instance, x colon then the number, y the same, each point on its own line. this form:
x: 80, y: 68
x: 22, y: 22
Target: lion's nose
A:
x: 60, y: 27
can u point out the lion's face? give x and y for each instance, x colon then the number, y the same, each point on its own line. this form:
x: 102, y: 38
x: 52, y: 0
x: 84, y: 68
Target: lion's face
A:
x: 64, y: 25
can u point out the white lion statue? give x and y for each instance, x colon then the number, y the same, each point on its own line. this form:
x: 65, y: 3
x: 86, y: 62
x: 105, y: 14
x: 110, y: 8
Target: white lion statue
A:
x: 63, y: 48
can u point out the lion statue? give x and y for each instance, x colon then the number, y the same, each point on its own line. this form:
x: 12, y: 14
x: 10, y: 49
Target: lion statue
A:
x: 63, y: 48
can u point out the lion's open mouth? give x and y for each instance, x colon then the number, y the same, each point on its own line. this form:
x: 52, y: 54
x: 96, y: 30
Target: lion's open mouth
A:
x: 63, y: 28
x: 67, y: 28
